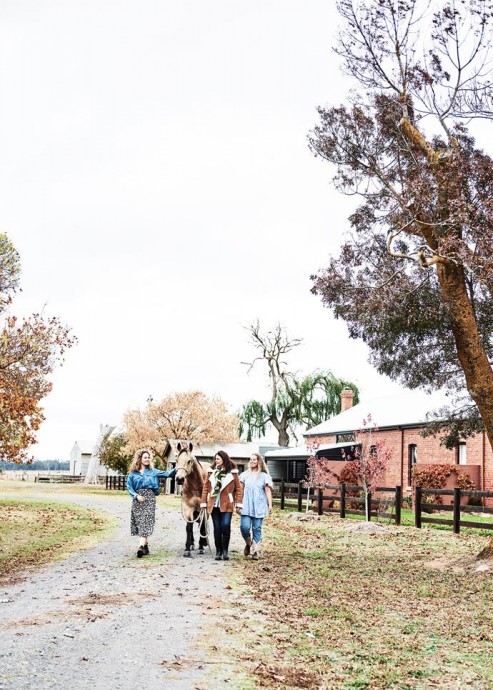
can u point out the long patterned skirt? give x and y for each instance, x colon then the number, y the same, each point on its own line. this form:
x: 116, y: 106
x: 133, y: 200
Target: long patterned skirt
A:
x: 143, y: 515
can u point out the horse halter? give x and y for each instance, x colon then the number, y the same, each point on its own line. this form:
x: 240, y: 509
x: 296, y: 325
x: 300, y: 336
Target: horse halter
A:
x: 187, y: 467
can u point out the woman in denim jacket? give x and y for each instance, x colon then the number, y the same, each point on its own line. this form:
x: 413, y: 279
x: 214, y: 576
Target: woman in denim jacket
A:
x: 143, y: 486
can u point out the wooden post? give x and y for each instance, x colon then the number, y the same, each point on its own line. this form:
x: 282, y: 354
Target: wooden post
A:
x: 282, y: 494
x: 457, y: 493
x: 343, y: 500
x: 107, y: 481
x: 320, y: 502
x: 398, y: 504
x: 300, y: 506
x: 417, y: 507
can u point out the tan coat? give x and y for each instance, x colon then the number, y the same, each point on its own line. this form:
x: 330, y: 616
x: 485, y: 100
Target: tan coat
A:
x: 231, y: 493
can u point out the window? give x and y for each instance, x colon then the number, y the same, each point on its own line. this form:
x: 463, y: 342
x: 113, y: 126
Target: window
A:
x: 345, y: 438
x: 413, y: 459
x: 462, y: 454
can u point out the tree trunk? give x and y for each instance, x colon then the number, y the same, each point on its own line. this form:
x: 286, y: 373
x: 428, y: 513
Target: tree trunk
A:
x: 282, y: 437
x: 281, y: 426
x: 471, y: 354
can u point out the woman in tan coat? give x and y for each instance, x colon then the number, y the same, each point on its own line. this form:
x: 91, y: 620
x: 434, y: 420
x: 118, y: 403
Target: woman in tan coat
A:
x: 222, y: 492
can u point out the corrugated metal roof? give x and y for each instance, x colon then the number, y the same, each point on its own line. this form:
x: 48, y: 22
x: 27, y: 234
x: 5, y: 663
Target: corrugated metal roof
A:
x: 303, y: 452
x: 404, y: 409
x: 234, y: 450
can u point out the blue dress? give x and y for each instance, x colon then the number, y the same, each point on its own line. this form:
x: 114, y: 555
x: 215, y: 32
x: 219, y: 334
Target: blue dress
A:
x: 254, y: 497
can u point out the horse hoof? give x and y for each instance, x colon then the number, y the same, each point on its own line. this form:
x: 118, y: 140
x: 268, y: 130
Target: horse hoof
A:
x: 201, y: 551
x: 187, y: 554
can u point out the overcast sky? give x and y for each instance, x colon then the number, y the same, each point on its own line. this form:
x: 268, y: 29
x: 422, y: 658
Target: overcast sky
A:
x: 156, y: 180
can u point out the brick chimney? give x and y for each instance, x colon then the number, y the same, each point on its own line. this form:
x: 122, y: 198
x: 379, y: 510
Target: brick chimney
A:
x: 347, y: 396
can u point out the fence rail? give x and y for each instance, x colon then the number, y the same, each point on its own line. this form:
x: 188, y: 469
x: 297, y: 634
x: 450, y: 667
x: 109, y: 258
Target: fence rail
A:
x: 456, y: 523
x: 119, y: 482
x: 290, y: 492
x: 51, y: 478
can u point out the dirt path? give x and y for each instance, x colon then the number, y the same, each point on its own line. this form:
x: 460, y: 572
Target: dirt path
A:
x: 103, y: 619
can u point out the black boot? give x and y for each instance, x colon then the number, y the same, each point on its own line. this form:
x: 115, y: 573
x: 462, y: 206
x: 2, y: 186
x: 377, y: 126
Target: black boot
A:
x: 146, y: 549
x: 225, y: 548
x: 219, y: 555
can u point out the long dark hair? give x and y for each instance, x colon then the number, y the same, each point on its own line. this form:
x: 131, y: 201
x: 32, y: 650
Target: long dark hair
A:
x: 228, y: 464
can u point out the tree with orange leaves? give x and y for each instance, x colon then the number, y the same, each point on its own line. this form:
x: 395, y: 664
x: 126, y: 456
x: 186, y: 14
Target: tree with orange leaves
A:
x: 30, y: 349
x: 190, y: 416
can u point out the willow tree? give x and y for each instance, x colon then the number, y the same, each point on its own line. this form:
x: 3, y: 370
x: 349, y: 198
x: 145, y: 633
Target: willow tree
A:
x: 294, y: 400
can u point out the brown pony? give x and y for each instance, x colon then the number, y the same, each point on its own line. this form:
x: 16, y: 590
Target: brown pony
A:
x: 191, y: 475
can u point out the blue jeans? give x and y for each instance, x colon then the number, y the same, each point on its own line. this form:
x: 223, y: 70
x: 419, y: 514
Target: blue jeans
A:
x: 222, y: 529
x: 254, y: 524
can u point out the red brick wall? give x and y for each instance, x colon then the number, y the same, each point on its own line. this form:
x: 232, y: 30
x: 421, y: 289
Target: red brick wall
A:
x: 429, y: 451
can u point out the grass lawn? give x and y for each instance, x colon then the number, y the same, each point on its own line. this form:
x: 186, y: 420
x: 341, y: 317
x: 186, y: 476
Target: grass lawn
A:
x: 34, y: 532
x: 404, y: 608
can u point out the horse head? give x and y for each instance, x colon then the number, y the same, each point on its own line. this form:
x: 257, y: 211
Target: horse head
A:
x: 184, y: 462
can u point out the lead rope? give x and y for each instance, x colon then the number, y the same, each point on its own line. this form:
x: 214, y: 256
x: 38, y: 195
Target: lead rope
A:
x: 201, y: 520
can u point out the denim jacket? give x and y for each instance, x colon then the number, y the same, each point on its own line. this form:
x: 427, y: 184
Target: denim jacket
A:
x: 149, y: 479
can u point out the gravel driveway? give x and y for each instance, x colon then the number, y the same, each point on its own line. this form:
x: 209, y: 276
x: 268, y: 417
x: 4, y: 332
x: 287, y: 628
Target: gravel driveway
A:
x: 103, y: 619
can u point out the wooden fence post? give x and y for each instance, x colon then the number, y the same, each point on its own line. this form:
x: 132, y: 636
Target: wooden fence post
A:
x: 282, y: 494
x: 398, y: 504
x: 417, y: 507
x: 300, y: 502
x: 457, y: 493
x: 343, y: 500
x: 320, y: 502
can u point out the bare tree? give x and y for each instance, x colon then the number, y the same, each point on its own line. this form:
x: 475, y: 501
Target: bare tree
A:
x: 294, y: 400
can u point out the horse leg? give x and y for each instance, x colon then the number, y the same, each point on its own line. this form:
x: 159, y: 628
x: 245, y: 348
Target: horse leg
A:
x: 188, y: 544
x: 202, y: 541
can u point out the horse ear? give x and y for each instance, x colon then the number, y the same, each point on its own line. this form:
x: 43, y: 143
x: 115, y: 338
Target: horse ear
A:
x: 190, y: 447
x: 178, y: 446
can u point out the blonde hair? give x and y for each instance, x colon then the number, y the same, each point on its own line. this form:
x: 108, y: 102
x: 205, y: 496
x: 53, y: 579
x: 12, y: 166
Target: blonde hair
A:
x: 136, y: 463
x: 261, y: 463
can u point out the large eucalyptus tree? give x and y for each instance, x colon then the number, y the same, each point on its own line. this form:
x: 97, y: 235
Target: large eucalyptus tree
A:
x: 414, y: 276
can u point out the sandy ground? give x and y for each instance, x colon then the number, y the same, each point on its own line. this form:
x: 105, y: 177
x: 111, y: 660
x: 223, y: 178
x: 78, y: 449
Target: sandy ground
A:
x: 102, y: 619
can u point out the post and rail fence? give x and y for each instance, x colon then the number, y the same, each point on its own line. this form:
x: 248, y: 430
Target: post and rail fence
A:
x: 456, y: 508
x: 343, y: 495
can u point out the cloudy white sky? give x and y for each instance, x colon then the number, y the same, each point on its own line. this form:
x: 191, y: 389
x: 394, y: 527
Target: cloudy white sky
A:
x: 156, y: 180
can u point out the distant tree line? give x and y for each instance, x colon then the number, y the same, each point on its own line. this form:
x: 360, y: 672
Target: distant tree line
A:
x: 37, y: 465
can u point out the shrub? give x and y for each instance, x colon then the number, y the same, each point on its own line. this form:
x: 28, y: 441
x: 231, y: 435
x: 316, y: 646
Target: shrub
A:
x: 435, y: 477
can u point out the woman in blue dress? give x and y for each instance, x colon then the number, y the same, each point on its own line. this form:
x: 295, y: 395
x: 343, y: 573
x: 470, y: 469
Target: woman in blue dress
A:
x: 143, y: 486
x: 257, y: 503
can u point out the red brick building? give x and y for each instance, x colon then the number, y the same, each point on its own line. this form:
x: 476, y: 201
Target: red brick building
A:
x: 399, y: 420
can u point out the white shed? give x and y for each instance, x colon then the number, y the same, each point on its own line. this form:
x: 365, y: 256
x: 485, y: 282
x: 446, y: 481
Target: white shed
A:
x: 79, y: 457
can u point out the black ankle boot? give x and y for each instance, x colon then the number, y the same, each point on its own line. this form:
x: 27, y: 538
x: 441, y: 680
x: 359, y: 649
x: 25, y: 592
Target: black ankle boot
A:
x: 225, y: 548
x: 219, y: 555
